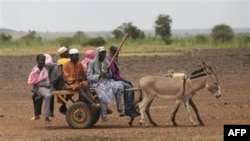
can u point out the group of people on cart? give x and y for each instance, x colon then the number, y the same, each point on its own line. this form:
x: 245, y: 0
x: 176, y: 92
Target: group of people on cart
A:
x: 97, y: 71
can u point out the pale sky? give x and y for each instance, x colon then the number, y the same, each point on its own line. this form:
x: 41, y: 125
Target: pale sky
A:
x: 106, y: 15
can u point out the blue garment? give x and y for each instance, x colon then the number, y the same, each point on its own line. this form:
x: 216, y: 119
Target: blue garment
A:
x: 128, y: 95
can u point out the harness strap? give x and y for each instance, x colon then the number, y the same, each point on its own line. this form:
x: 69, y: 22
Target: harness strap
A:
x: 184, y: 84
x: 190, y: 83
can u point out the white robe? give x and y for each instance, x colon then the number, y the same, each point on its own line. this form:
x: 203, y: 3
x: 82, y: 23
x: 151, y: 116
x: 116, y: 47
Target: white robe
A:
x: 107, y: 88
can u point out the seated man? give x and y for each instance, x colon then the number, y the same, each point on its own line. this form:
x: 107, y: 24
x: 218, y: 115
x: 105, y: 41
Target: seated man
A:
x: 39, y: 79
x: 74, y: 75
x: 59, y: 84
x: 38, y: 99
x: 88, y: 56
x: 128, y: 95
x: 101, y: 80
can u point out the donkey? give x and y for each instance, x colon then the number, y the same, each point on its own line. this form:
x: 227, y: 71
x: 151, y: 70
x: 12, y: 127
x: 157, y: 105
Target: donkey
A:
x: 171, y: 73
x: 177, y: 89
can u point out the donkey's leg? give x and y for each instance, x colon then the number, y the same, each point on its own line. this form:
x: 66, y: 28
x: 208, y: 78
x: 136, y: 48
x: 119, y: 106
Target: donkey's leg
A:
x: 173, y: 111
x: 189, y: 112
x: 196, y: 111
x: 141, y: 111
x: 136, y: 108
x: 148, y: 114
x: 174, y: 115
x: 131, y: 121
x: 142, y: 107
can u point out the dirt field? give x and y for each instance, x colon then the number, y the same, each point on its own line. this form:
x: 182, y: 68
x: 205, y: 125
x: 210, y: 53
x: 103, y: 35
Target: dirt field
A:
x: 231, y: 65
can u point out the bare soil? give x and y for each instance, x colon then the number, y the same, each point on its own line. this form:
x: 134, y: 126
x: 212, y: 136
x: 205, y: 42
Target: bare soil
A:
x: 231, y: 65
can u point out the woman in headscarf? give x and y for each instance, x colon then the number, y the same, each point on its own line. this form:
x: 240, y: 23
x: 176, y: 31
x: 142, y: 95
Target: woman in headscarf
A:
x: 89, y: 55
x: 101, y: 80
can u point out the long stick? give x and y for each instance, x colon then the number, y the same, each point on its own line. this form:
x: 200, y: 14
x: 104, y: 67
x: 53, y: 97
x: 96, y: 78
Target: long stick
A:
x: 114, y: 56
x: 118, y: 50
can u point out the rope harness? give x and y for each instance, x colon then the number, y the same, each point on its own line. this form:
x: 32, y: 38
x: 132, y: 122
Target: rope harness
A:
x: 195, y: 74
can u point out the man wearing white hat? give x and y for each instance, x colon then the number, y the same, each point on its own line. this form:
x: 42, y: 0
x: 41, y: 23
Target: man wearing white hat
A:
x: 64, y: 55
x: 59, y: 84
x: 76, y: 78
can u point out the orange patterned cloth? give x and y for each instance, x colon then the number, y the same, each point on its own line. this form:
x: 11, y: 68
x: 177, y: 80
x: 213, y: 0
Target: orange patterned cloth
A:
x: 72, y: 71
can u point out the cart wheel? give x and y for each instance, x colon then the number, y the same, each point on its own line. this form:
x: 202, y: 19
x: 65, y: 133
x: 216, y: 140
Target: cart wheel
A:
x: 79, y: 115
x: 95, y: 116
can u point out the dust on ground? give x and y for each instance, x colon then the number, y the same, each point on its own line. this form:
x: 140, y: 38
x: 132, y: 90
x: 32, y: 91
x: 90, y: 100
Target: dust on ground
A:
x: 231, y: 65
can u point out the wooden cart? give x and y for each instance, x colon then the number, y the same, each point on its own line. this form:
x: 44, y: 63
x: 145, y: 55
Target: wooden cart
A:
x: 79, y: 113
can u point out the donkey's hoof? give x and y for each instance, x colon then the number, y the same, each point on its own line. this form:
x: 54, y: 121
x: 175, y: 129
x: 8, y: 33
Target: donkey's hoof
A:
x: 202, y: 124
x: 130, y: 123
x: 154, y: 124
x: 167, y: 124
x: 194, y: 124
x: 175, y: 124
x: 140, y: 123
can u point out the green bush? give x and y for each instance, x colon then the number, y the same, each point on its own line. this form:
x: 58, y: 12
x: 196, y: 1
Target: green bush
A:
x: 4, y: 37
x: 65, y: 41
x: 222, y: 33
x: 200, y: 38
x: 99, y: 41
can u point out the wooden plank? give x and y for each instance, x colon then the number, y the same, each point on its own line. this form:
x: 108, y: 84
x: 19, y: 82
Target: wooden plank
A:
x: 64, y: 92
x: 133, y: 89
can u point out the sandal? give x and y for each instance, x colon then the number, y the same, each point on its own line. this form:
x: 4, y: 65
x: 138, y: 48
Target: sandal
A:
x: 35, y: 118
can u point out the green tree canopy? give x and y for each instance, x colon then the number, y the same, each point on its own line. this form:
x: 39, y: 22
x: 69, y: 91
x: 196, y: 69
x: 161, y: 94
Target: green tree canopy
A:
x: 129, y: 28
x: 222, y: 33
x: 31, y: 36
x: 118, y: 33
x: 163, y: 27
x: 79, y: 37
x: 4, y: 37
x: 65, y: 41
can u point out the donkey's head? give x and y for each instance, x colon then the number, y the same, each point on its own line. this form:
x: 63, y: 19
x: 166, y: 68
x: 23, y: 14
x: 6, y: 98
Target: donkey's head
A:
x: 212, y: 84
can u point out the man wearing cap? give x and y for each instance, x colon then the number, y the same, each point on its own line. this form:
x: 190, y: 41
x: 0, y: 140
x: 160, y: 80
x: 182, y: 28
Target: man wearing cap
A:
x: 64, y: 55
x: 59, y: 82
x: 128, y: 95
x: 100, y: 78
x: 76, y: 78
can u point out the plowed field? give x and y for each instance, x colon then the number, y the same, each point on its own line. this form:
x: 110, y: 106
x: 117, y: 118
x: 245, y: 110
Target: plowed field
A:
x: 231, y: 65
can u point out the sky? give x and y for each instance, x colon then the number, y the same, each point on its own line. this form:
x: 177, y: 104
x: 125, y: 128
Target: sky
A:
x: 107, y: 15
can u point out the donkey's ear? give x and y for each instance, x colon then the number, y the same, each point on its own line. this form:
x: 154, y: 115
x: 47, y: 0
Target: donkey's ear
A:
x: 209, y: 70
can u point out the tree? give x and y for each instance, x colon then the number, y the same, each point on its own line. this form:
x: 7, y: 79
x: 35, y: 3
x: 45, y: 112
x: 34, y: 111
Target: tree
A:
x: 163, y: 28
x: 118, y: 33
x: 65, y: 41
x: 79, y: 37
x: 31, y: 36
x: 4, y: 37
x: 129, y: 28
x: 222, y: 33
x: 200, y: 38
x: 98, y: 41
